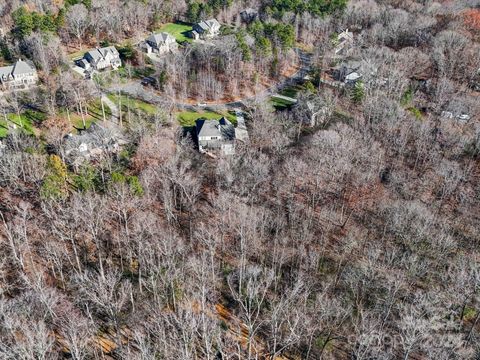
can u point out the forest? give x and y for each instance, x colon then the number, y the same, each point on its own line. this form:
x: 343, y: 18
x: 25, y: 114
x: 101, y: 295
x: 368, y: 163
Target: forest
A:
x: 346, y: 227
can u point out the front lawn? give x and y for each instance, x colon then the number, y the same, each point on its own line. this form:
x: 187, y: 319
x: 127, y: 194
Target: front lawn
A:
x: 133, y: 104
x: 187, y: 118
x: 178, y: 30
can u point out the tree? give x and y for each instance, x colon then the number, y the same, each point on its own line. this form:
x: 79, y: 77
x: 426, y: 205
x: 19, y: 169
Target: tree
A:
x: 78, y: 21
x: 23, y: 22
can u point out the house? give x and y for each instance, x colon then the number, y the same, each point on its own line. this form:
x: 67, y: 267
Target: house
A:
x: 93, y: 144
x: 344, y: 43
x: 205, y: 29
x: 160, y: 43
x: 348, y: 73
x: 215, y: 135
x: 248, y: 15
x: 100, y: 58
x: 20, y: 75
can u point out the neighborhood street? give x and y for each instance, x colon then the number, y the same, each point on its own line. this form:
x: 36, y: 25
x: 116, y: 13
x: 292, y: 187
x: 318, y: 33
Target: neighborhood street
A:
x: 136, y: 90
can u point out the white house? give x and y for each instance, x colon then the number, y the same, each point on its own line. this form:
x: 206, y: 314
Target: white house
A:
x: 205, y: 29
x: 101, y: 58
x: 20, y: 75
x: 160, y: 43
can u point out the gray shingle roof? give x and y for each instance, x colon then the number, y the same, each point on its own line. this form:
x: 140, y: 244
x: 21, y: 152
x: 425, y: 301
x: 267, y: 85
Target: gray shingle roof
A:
x: 22, y: 67
x: 98, y: 54
x: 160, y: 38
x: 208, y: 25
x: 222, y: 127
x: 19, y: 68
x: 6, y: 70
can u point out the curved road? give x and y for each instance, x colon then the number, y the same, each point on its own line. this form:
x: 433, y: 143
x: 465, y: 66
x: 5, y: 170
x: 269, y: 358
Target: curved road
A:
x: 135, y: 89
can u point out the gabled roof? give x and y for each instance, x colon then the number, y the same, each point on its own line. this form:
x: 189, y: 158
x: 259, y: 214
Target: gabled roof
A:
x: 97, y: 54
x: 160, y: 38
x: 22, y: 67
x: 208, y: 25
x: 222, y: 128
x: 6, y: 70
x: 19, y: 68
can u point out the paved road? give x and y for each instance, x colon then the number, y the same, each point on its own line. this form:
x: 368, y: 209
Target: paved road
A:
x: 135, y: 89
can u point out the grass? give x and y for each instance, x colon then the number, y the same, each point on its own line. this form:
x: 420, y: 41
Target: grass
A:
x: 291, y: 91
x: 178, y: 30
x: 133, y: 104
x: 3, y: 130
x: 469, y: 313
x: 23, y: 122
x: 94, y: 114
x: 280, y: 104
x: 187, y: 118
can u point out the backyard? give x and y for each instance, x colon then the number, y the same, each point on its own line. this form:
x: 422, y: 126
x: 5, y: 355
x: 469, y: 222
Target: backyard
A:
x: 25, y: 121
x: 178, y: 30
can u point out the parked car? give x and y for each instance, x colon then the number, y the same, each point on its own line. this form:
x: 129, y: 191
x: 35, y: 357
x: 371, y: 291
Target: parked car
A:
x: 149, y: 81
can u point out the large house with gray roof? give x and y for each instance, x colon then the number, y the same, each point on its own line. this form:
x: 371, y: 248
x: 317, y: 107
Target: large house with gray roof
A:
x: 215, y: 135
x: 20, y: 75
x: 205, y: 29
x: 160, y: 43
x: 100, y: 58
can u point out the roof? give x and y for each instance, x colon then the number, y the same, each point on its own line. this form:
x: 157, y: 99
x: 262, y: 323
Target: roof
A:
x: 160, y: 38
x: 91, y: 143
x: 20, y: 67
x: 207, y: 25
x: 345, y: 35
x: 353, y: 76
x: 6, y: 70
x: 97, y: 54
x: 222, y: 127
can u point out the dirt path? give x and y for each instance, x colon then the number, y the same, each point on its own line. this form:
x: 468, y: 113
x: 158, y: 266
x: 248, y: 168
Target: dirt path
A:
x: 113, y: 108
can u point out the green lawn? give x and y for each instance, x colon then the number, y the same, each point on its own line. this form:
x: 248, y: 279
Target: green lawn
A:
x: 187, y: 118
x: 280, y: 104
x: 290, y: 91
x: 178, y: 30
x: 95, y: 113
x: 133, y: 104
x: 24, y: 122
